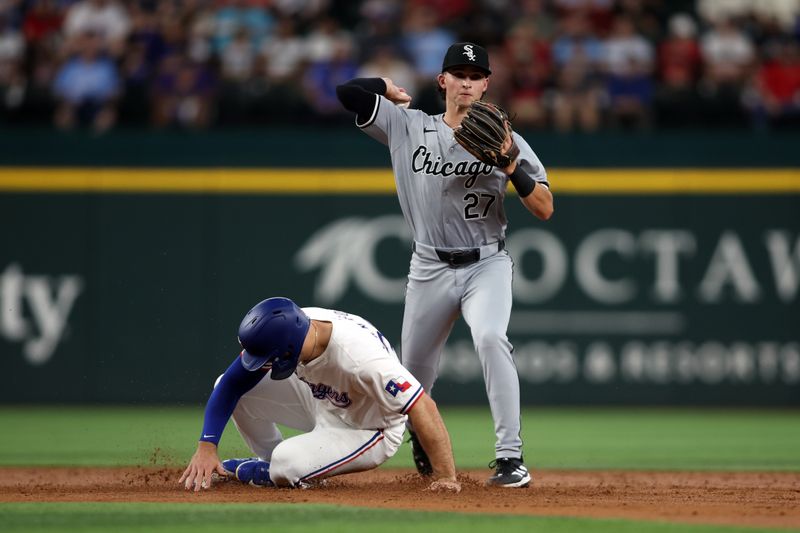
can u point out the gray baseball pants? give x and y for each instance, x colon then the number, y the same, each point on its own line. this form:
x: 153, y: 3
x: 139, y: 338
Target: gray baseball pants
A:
x: 435, y: 296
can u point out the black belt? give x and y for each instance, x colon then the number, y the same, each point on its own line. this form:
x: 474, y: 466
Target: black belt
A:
x: 459, y: 257
x: 464, y: 256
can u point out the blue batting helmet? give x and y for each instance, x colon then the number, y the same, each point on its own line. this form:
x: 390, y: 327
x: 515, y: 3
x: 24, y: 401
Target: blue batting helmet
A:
x: 273, y: 332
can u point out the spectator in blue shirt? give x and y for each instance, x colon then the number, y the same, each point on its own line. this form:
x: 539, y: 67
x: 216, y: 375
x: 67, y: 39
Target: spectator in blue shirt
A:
x: 235, y: 16
x: 577, y: 39
x: 86, y: 87
x: 322, y: 77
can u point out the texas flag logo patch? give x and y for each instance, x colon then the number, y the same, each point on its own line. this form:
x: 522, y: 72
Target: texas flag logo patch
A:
x: 396, y: 385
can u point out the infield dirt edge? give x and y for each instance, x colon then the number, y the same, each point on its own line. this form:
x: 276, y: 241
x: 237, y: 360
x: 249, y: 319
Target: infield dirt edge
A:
x: 763, y: 499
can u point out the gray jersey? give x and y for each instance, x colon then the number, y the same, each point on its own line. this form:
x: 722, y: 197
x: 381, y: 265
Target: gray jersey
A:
x: 449, y: 198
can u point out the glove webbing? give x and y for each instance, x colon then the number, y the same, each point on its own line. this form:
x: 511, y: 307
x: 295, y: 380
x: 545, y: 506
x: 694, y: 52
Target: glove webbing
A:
x: 483, y: 132
x: 486, y: 128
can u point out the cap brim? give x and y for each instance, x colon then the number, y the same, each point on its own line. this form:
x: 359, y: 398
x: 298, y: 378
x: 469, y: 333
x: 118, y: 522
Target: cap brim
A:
x: 485, y: 70
x: 253, y: 362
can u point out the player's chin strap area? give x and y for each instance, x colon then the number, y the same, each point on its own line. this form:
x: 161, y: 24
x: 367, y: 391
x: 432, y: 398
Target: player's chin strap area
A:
x: 456, y: 257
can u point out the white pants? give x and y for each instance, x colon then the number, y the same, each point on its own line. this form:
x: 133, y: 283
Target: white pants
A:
x: 328, y: 448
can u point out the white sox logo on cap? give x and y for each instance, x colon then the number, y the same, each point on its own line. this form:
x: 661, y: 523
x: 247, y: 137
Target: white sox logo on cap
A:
x: 468, y: 52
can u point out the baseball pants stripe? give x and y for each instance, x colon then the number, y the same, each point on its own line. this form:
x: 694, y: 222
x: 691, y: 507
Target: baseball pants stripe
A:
x: 375, y: 439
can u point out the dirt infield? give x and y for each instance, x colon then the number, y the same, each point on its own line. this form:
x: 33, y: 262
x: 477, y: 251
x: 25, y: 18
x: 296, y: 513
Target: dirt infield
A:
x: 754, y: 499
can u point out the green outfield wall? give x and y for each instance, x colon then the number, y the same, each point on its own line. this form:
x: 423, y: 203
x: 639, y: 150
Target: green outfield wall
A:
x: 665, y: 286
x: 349, y: 148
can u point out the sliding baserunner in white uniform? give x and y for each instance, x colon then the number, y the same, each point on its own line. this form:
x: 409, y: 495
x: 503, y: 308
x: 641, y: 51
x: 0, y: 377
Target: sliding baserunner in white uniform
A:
x: 333, y: 376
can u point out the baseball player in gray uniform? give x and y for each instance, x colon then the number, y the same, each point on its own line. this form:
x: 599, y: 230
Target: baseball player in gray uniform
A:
x: 333, y: 376
x: 454, y: 206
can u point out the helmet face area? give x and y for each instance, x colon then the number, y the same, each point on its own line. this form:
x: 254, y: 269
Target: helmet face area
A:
x: 273, y: 332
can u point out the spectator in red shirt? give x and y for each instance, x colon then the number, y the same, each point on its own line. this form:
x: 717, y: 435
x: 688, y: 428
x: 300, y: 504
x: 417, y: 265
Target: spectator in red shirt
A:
x: 777, y: 84
x: 679, y: 54
x: 42, y: 21
x: 530, y: 68
x: 677, y: 102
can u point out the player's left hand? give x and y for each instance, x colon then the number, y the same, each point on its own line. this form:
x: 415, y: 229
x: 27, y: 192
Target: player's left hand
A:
x: 445, y: 485
x: 205, y: 462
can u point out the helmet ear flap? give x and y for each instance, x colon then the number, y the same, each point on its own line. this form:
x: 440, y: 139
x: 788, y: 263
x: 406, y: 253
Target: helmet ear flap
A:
x: 284, y: 365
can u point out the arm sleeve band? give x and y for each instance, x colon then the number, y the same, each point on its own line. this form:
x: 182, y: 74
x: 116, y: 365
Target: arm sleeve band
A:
x: 522, y: 182
x: 235, y: 382
x: 358, y: 95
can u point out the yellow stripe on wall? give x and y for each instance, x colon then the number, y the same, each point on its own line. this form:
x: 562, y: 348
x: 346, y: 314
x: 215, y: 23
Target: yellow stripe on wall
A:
x: 380, y: 181
x: 676, y: 181
x: 216, y: 181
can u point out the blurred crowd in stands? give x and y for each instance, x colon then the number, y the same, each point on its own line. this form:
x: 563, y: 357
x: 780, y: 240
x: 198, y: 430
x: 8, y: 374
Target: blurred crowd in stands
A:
x: 563, y: 65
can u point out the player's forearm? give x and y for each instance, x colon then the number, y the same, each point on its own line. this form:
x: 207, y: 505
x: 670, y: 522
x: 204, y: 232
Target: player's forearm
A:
x: 432, y: 434
x: 539, y: 202
x: 535, y: 195
x: 235, y: 382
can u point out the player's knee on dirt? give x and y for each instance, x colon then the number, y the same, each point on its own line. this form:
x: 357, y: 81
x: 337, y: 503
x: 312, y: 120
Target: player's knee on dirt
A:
x: 284, y: 469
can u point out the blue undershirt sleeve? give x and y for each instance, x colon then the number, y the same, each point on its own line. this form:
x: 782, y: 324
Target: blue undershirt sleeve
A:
x: 235, y: 383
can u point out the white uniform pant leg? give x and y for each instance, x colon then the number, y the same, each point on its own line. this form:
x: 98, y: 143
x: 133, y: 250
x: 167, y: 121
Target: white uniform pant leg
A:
x: 331, y: 451
x: 431, y: 309
x: 270, y: 402
x: 487, y: 309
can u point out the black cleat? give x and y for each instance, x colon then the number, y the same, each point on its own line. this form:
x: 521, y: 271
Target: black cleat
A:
x: 509, y: 473
x: 421, y: 460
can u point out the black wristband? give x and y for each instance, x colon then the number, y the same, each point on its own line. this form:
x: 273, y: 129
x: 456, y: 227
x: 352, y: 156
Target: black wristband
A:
x: 522, y: 182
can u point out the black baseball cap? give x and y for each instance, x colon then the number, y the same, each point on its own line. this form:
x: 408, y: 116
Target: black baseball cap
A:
x: 466, y: 54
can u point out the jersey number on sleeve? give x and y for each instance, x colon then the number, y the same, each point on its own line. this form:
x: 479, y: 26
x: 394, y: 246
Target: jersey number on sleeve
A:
x: 472, y: 208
